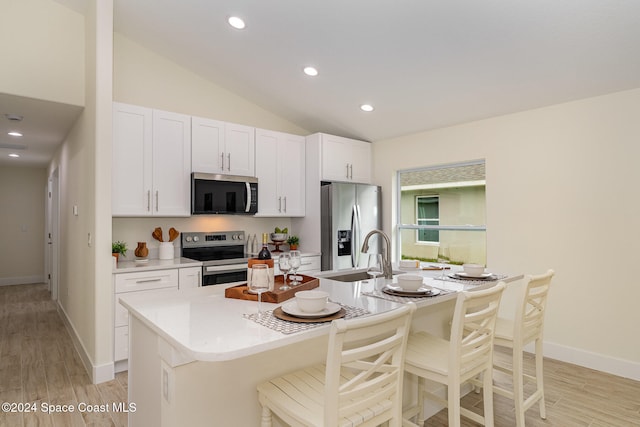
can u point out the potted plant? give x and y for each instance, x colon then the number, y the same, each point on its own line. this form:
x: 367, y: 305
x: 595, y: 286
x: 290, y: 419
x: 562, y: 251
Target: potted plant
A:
x: 118, y: 248
x: 293, y: 242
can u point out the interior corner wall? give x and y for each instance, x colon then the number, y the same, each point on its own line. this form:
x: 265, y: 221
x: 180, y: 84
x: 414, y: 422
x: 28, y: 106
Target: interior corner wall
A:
x: 22, y: 215
x: 561, y: 193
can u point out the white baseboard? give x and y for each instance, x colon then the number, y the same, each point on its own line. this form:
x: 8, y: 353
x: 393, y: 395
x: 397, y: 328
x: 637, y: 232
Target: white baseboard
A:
x: 97, y: 374
x: 24, y: 280
x: 587, y: 359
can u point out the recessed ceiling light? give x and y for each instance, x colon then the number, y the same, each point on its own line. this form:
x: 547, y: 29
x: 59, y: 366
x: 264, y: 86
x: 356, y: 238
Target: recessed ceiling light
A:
x: 366, y: 107
x: 310, y: 71
x: 15, y: 134
x: 236, y: 22
x: 14, y: 155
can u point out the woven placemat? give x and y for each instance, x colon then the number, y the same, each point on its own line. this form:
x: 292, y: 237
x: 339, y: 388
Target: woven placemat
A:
x: 270, y: 321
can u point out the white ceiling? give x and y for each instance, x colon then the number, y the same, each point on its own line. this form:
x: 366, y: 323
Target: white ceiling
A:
x: 423, y: 64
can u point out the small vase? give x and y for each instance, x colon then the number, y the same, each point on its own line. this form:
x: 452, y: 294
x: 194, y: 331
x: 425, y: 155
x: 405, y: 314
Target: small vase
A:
x: 142, y: 251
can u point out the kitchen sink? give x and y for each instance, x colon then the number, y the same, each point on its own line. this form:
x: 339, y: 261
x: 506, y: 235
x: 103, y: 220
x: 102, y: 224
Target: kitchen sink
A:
x: 355, y: 276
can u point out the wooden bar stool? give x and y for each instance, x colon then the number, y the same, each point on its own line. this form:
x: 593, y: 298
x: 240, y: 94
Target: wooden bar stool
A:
x: 467, y: 354
x: 526, y: 327
x: 361, y: 383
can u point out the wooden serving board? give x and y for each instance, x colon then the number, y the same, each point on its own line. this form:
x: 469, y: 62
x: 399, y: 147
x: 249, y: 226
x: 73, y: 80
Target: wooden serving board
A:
x: 275, y: 296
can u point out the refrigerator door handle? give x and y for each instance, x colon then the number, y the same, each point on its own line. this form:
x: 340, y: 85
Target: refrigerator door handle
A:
x: 358, y: 236
x: 354, y: 230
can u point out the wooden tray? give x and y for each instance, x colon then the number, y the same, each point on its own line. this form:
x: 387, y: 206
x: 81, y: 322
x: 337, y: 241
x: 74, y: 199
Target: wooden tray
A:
x: 275, y: 296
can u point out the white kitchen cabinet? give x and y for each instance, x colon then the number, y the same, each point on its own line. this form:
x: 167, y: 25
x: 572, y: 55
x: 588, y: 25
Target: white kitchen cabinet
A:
x: 190, y: 277
x: 145, y: 282
x: 345, y: 159
x: 280, y: 160
x: 151, y: 162
x: 222, y: 148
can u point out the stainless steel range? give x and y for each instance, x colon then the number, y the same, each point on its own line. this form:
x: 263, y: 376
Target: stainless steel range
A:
x: 221, y: 252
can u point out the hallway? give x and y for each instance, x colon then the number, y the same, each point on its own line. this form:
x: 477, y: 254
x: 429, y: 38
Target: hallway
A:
x: 40, y: 367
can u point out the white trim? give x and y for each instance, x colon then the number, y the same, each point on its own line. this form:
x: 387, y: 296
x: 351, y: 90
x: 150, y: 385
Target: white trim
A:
x: 24, y: 280
x: 599, y: 362
x: 99, y: 373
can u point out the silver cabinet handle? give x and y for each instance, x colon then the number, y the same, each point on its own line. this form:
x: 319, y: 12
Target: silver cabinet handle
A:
x: 148, y: 200
x: 285, y: 203
x: 351, y: 171
x: 157, y: 279
x: 229, y: 161
x: 222, y: 160
x: 157, y: 200
x: 279, y: 204
x: 347, y: 170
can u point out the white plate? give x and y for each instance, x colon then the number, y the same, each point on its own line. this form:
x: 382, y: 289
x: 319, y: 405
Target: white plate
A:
x: 291, y: 308
x: 420, y: 291
x: 474, y: 276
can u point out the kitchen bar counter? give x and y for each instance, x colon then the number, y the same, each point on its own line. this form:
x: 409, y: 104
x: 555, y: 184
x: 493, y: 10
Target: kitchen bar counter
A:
x: 195, y: 360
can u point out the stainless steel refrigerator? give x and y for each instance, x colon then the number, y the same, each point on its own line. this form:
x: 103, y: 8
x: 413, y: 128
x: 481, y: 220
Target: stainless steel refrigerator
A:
x: 348, y: 213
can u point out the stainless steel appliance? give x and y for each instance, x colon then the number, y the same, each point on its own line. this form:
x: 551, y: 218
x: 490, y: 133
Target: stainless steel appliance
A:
x: 223, y: 194
x: 348, y: 213
x: 221, y: 252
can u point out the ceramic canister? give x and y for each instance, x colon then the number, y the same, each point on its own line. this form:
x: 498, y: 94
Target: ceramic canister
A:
x: 166, y: 250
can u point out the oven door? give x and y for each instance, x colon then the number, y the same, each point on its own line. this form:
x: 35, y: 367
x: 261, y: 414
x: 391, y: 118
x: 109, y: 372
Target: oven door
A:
x: 219, y: 274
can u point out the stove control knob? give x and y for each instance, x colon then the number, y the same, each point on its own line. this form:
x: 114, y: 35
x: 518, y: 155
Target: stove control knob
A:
x: 188, y: 238
x: 196, y: 238
x: 236, y: 237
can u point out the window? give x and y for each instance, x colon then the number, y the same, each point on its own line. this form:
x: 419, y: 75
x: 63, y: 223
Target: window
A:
x: 441, y: 213
x: 428, y: 213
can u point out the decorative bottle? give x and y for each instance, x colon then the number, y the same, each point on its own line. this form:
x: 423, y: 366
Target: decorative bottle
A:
x: 264, y: 252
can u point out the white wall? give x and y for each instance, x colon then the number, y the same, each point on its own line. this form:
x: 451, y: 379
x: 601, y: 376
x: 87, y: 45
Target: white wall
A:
x: 42, y: 51
x: 22, y: 215
x: 562, y: 194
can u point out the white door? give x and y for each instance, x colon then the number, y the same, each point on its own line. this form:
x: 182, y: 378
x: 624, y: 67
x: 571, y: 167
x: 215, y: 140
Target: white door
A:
x: 207, y: 145
x: 52, y: 235
x: 239, y: 143
x: 267, y: 169
x: 291, y: 170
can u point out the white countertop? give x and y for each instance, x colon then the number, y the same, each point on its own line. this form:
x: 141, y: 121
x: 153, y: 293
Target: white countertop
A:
x: 204, y: 325
x: 154, y: 264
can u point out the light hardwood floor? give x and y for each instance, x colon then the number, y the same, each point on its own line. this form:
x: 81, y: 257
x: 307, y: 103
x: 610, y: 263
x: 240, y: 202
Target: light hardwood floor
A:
x: 38, y: 363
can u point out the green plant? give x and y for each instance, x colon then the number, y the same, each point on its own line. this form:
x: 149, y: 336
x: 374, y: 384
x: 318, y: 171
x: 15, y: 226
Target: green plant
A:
x: 119, y: 248
x: 293, y: 240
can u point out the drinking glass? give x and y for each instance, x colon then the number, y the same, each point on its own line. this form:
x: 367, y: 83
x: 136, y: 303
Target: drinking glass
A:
x: 295, y: 262
x: 374, y: 268
x: 284, y: 263
x: 259, y: 282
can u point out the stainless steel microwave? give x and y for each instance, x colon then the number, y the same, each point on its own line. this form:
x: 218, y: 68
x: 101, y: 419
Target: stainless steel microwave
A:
x: 223, y: 194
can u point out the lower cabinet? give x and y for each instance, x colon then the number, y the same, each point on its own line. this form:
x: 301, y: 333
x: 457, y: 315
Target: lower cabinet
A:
x: 308, y: 263
x: 145, y: 282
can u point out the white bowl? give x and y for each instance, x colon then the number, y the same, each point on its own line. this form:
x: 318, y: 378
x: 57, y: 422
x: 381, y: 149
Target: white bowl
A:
x: 278, y: 237
x: 312, y: 301
x: 475, y: 270
x: 410, y: 282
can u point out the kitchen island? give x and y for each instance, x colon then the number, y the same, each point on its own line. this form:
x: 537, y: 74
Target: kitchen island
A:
x: 195, y: 358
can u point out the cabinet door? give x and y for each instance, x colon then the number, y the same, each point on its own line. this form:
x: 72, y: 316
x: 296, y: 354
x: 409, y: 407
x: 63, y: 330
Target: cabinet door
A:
x: 360, y: 167
x: 131, y: 158
x: 291, y: 182
x: 171, y: 164
x: 207, y: 145
x: 239, y: 153
x: 190, y: 278
x: 267, y: 169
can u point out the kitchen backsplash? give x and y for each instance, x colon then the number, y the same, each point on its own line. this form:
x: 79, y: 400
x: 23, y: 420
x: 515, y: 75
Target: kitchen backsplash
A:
x: 134, y: 230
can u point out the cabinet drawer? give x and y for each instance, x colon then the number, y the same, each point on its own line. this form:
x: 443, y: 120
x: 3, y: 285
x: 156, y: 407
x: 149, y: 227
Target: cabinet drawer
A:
x: 311, y: 263
x: 130, y: 282
x: 121, y: 341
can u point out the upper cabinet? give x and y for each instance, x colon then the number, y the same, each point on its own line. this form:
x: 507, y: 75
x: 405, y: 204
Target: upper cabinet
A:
x: 344, y: 159
x: 151, y: 162
x: 222, y: 148
x: 280, y: 160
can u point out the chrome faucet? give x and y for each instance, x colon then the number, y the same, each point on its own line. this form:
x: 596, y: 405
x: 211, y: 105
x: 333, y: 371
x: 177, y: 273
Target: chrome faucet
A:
x: 386, y: 257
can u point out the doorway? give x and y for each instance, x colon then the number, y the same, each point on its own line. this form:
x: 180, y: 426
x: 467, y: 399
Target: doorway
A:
x: 53, y: 227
